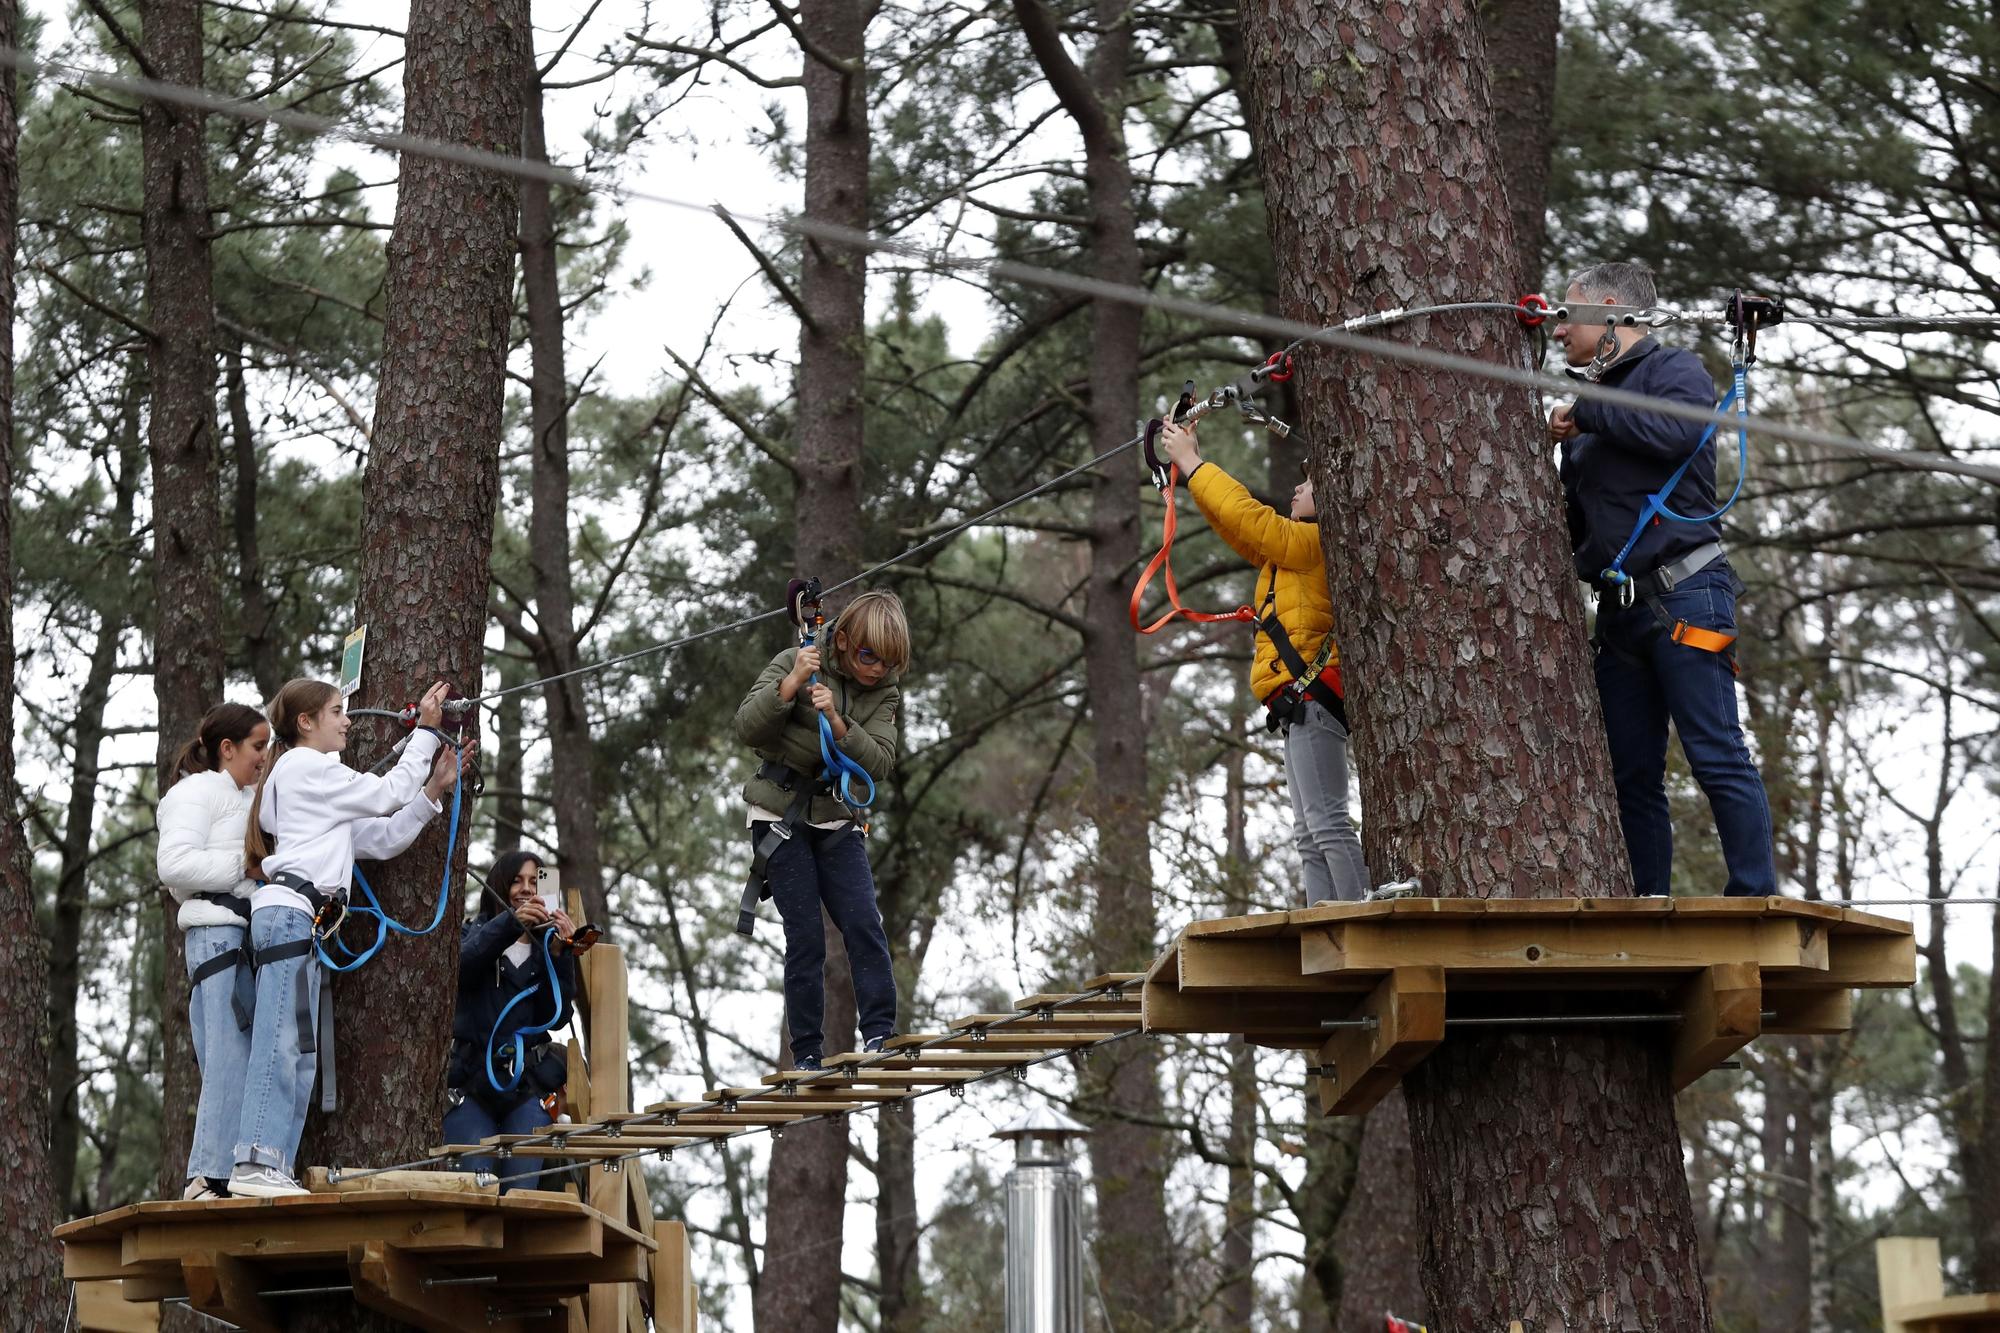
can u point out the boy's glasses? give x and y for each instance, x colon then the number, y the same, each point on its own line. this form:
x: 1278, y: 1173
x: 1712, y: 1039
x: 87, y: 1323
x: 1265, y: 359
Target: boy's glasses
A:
x: 867, y: 657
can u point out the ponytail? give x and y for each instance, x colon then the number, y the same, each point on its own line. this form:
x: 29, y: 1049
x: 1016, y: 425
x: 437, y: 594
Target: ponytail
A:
x: 296, y: 699
x: 203, y: 754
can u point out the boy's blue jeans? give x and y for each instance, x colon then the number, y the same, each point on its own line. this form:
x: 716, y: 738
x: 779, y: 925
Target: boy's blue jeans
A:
x: 221, y: 1049
x: 1645, y: 680
x: 471, y: 1120
x: 829, y: 866
x: 278, y: 1083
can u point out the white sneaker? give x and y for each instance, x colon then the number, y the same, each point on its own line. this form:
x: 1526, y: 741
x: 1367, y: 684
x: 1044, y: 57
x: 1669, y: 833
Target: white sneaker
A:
x: 262, y: 1182
x: 199, y: 1190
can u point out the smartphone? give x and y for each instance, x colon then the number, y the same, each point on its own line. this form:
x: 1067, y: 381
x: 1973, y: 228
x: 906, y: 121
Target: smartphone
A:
x: 548, y: 887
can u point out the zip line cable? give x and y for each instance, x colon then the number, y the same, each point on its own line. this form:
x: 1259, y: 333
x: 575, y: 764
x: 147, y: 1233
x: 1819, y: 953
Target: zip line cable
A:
x: 1340, y: 337
x: 1244, y: 321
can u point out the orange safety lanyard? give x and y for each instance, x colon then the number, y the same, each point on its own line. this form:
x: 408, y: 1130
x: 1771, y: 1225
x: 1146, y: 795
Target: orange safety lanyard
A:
x: 1163, y: 564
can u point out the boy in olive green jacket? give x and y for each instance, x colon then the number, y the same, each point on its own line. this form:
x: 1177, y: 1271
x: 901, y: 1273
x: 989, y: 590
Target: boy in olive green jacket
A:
x: 824, y: 860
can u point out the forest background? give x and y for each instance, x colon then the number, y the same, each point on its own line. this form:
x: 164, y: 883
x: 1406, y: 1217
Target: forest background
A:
x: 1847, y: 156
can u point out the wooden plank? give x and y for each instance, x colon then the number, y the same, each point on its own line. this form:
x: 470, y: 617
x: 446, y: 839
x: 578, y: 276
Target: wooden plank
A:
x: 1166, y: 964
x: 1015, y: 1024
x: 89, y: 1260
x: 1246, y: 1012
x: 674, y: 1307
x: 1258, y: 925
x: 331, y: 1232
x: 102, y: 1308
x: 1265, y: 964
x: 151, y: 1287
x: 1853, y: 918
x: 1873, y: 962
x: 1408, y: 1009
x: 576, y: 1092
x: 1808, y: 1013
x: 1094, y: 1004
x: 909, y: 1058
x: 1977, y: 1313
x: 1103, y: 979
x: 1586, y: 944
x: 1721, y: 1013
x: 1910, y: 1271
x: 566, y: 1239
x: 460, y: 1182
x: 225, y: 1287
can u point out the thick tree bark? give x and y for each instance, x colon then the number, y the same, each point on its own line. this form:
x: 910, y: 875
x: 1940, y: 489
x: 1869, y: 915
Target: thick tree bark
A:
x: 427, y: 537
x: 798, y: 1286
x: 30, y: 1292
x: 1380, y: 1233
x: 79, y: 822
x: 572, y: 753
x: 260, y: 651
x: 1128, y: 1158
x: 1477, y: 734
x: 187, y: 519
x: 1521, y: 62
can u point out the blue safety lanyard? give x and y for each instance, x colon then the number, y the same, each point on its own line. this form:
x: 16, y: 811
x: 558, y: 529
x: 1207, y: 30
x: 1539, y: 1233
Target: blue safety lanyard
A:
x: 519, y: 1036
x: 384, y: 923
x: 1656, y: 503
x: 838, y: 769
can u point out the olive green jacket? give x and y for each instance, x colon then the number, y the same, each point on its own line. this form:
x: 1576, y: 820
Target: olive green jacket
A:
x: 788, y: 733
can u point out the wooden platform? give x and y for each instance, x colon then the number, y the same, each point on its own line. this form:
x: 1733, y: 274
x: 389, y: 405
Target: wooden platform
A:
x: 1370, y: 988
x: 435, y: 1258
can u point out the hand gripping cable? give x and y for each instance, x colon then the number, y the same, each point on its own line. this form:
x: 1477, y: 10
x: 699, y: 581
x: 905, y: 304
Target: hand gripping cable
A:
x: 840, y: 771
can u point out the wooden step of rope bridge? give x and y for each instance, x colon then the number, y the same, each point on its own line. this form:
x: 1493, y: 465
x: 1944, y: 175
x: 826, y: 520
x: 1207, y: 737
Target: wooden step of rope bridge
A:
x: 1371, y: 988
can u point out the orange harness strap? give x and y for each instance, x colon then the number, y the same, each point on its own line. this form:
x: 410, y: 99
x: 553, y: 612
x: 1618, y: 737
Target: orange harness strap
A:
x: 1163, y: 564
x: 1708, y: 640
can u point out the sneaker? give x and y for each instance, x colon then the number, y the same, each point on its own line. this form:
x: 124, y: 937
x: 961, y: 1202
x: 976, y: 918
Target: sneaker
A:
x: 262, y: 1182
x: 808, y: 1064
x: 874, y: 1045
x: 201, y: 1190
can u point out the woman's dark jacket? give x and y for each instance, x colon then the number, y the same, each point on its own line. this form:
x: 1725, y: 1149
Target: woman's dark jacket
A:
x: 487, y: 980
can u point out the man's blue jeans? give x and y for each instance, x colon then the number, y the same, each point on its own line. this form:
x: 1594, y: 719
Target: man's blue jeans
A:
x: 1644, y: 680
x: 830, y: 867
x: 277, y: 1086
x: 221, y: 1050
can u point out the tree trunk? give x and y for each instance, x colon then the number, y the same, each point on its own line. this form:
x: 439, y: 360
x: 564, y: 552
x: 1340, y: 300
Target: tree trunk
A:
x: 1477, y: 734
x: 30, y: 1292
x: 1239, y: 1208
x: 903, y: 1309
x: 1128, y: 1159
x: 79, y: 822
x: 1521, y: 61
x: 427, y: 535
x: 798, y: 1286
x: 1380, y: 1231
x: 572, y: 785
x: 187, y: 520
x: 260, y: 650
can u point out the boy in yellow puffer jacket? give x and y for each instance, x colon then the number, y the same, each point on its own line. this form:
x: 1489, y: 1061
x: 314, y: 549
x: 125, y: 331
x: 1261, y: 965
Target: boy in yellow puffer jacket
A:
x: 1296, y: 667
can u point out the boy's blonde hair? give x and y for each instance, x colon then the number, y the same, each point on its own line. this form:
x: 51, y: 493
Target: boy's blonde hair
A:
x: 874, y: 620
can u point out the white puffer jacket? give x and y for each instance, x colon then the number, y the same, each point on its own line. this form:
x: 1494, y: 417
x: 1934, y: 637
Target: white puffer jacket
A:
x: 202, y: 819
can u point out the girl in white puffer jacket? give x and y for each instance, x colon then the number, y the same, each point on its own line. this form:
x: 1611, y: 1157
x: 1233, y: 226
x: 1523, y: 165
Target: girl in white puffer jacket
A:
x: 201, y: 818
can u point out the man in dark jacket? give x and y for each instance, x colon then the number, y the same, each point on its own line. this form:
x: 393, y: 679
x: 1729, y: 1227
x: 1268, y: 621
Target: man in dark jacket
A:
x: 1666, y: 631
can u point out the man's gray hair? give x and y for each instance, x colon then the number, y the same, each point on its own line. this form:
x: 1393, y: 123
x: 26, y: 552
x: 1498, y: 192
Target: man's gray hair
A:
x: 1625, y: 284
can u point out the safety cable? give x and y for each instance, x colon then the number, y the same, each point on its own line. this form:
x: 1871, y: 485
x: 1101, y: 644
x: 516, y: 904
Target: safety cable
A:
x: 1340, y: 337
x: 519, y: 1035
x: 844, y: 1072
x: 1245, y: 321
x: 385, y: 925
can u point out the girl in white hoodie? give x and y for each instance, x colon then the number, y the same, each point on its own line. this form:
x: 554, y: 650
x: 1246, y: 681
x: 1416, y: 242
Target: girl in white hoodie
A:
x: 312, y: 816
x: 201, y: 818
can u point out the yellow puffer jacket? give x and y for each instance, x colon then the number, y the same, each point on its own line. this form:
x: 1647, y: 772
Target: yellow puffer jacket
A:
x: 1289, y: 561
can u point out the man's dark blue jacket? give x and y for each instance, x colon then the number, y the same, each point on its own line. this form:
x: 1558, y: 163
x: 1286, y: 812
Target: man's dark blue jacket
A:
x: 1620, y: 456
x: 486, y: 981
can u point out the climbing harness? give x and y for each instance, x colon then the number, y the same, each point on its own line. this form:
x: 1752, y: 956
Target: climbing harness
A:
x: 838, y: 772
x: 1747, y: 314
x: 240, y: 960
x: 518, y: 1065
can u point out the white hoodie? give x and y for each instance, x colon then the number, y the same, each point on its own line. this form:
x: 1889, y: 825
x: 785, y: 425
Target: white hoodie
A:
x: 202, y: 819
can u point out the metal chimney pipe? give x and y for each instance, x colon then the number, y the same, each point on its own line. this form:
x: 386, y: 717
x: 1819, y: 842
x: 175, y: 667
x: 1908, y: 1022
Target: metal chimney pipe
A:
x: 1044, y: 1225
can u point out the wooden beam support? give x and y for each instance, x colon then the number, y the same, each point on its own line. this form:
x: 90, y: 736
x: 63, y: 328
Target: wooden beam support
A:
x: 1256, y: 963
x: 1252, y: 1013
x: 1808, y: 1013
x: 390, y: 1282
x: 225, y: 1287
x: 330, y: 1232
x: 1721, y: 1013
x: 101, y: 1307
x: 1617, y: 947
x: 1366, y: 1062
x: 674, y: 1309
x: 1910, y: 1272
